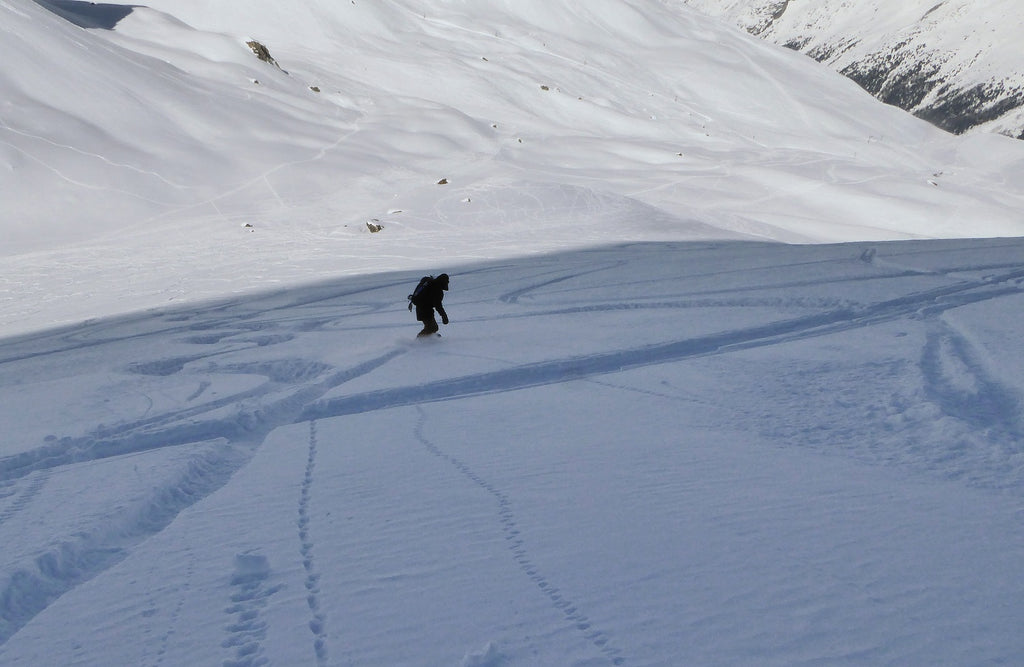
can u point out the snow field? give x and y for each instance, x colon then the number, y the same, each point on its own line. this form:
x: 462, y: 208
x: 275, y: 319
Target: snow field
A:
x: 712, y: 452
x: 652, y: 434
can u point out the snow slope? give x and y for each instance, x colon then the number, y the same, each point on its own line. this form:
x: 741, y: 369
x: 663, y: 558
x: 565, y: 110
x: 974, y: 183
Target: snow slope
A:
x: 956, y: 63
x: 652, y: 434
x: 134, y: 157
x: 695, y: 453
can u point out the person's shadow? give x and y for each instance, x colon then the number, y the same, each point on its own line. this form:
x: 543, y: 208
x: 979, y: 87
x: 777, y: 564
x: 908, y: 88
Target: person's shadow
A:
x: 88, y: 14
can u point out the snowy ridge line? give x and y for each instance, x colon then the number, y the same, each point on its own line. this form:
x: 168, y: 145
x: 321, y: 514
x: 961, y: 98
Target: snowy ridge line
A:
x: 249, y: 425
x: 317, y: 623
x: 510, y: 527
x: 74, y: 560
x: 927, y: 303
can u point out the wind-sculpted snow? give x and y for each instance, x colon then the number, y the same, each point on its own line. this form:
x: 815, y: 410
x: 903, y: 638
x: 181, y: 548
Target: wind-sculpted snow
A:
x: 317, y: 479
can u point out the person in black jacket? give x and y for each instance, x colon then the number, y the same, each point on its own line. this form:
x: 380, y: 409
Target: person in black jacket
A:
x: 428, y: 300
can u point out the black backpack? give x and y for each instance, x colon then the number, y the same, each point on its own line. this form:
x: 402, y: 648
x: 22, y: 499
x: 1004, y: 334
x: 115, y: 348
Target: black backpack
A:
x: 414, y: 298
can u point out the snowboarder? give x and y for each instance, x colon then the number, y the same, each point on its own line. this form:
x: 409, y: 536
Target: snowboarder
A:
x: 427, y: 298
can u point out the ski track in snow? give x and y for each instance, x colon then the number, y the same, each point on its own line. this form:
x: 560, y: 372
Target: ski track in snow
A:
x: 516, y: 544
x: 515, y: 295
x: 959, y: 384
x: 928, y: 303
x: 188, y: 397
x: 183, y: 427
x: 159, y: 620
x: 234, y: 424
x: 318, y: 620
x: 250, y: 594
x: 22, y: 500
x: 175, y: 617
x: 70, y: 563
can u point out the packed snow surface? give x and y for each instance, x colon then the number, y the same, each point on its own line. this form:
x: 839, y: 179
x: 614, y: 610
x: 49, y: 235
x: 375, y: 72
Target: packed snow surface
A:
x: 653, y: 433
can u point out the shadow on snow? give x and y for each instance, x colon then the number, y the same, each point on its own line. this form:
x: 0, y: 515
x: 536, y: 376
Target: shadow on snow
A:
x: 88, y: 14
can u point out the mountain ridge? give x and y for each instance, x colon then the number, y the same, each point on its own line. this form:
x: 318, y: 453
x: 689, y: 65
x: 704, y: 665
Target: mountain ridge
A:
x: 954, y: 63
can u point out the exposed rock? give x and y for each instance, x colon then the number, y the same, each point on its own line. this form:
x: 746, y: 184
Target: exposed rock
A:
x: 262, y: 52
x: 959, y: 110
x: 901, y: 82
x: 950, y: 63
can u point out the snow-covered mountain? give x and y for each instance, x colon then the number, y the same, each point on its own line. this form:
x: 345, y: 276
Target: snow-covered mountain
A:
x: 955, y: 63
x: 652, y: 434
x: 162, y: 131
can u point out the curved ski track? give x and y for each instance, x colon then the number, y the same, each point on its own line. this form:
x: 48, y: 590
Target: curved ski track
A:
x: 928, y: 303
x: 518, y: 548
x: 294, y: 389
x: 76, y: 559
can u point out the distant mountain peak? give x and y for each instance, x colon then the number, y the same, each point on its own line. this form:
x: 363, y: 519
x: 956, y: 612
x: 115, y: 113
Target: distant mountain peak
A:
x: 954, y: 63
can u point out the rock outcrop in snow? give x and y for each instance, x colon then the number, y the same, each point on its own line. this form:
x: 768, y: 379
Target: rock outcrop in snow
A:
x: 954, y: 63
